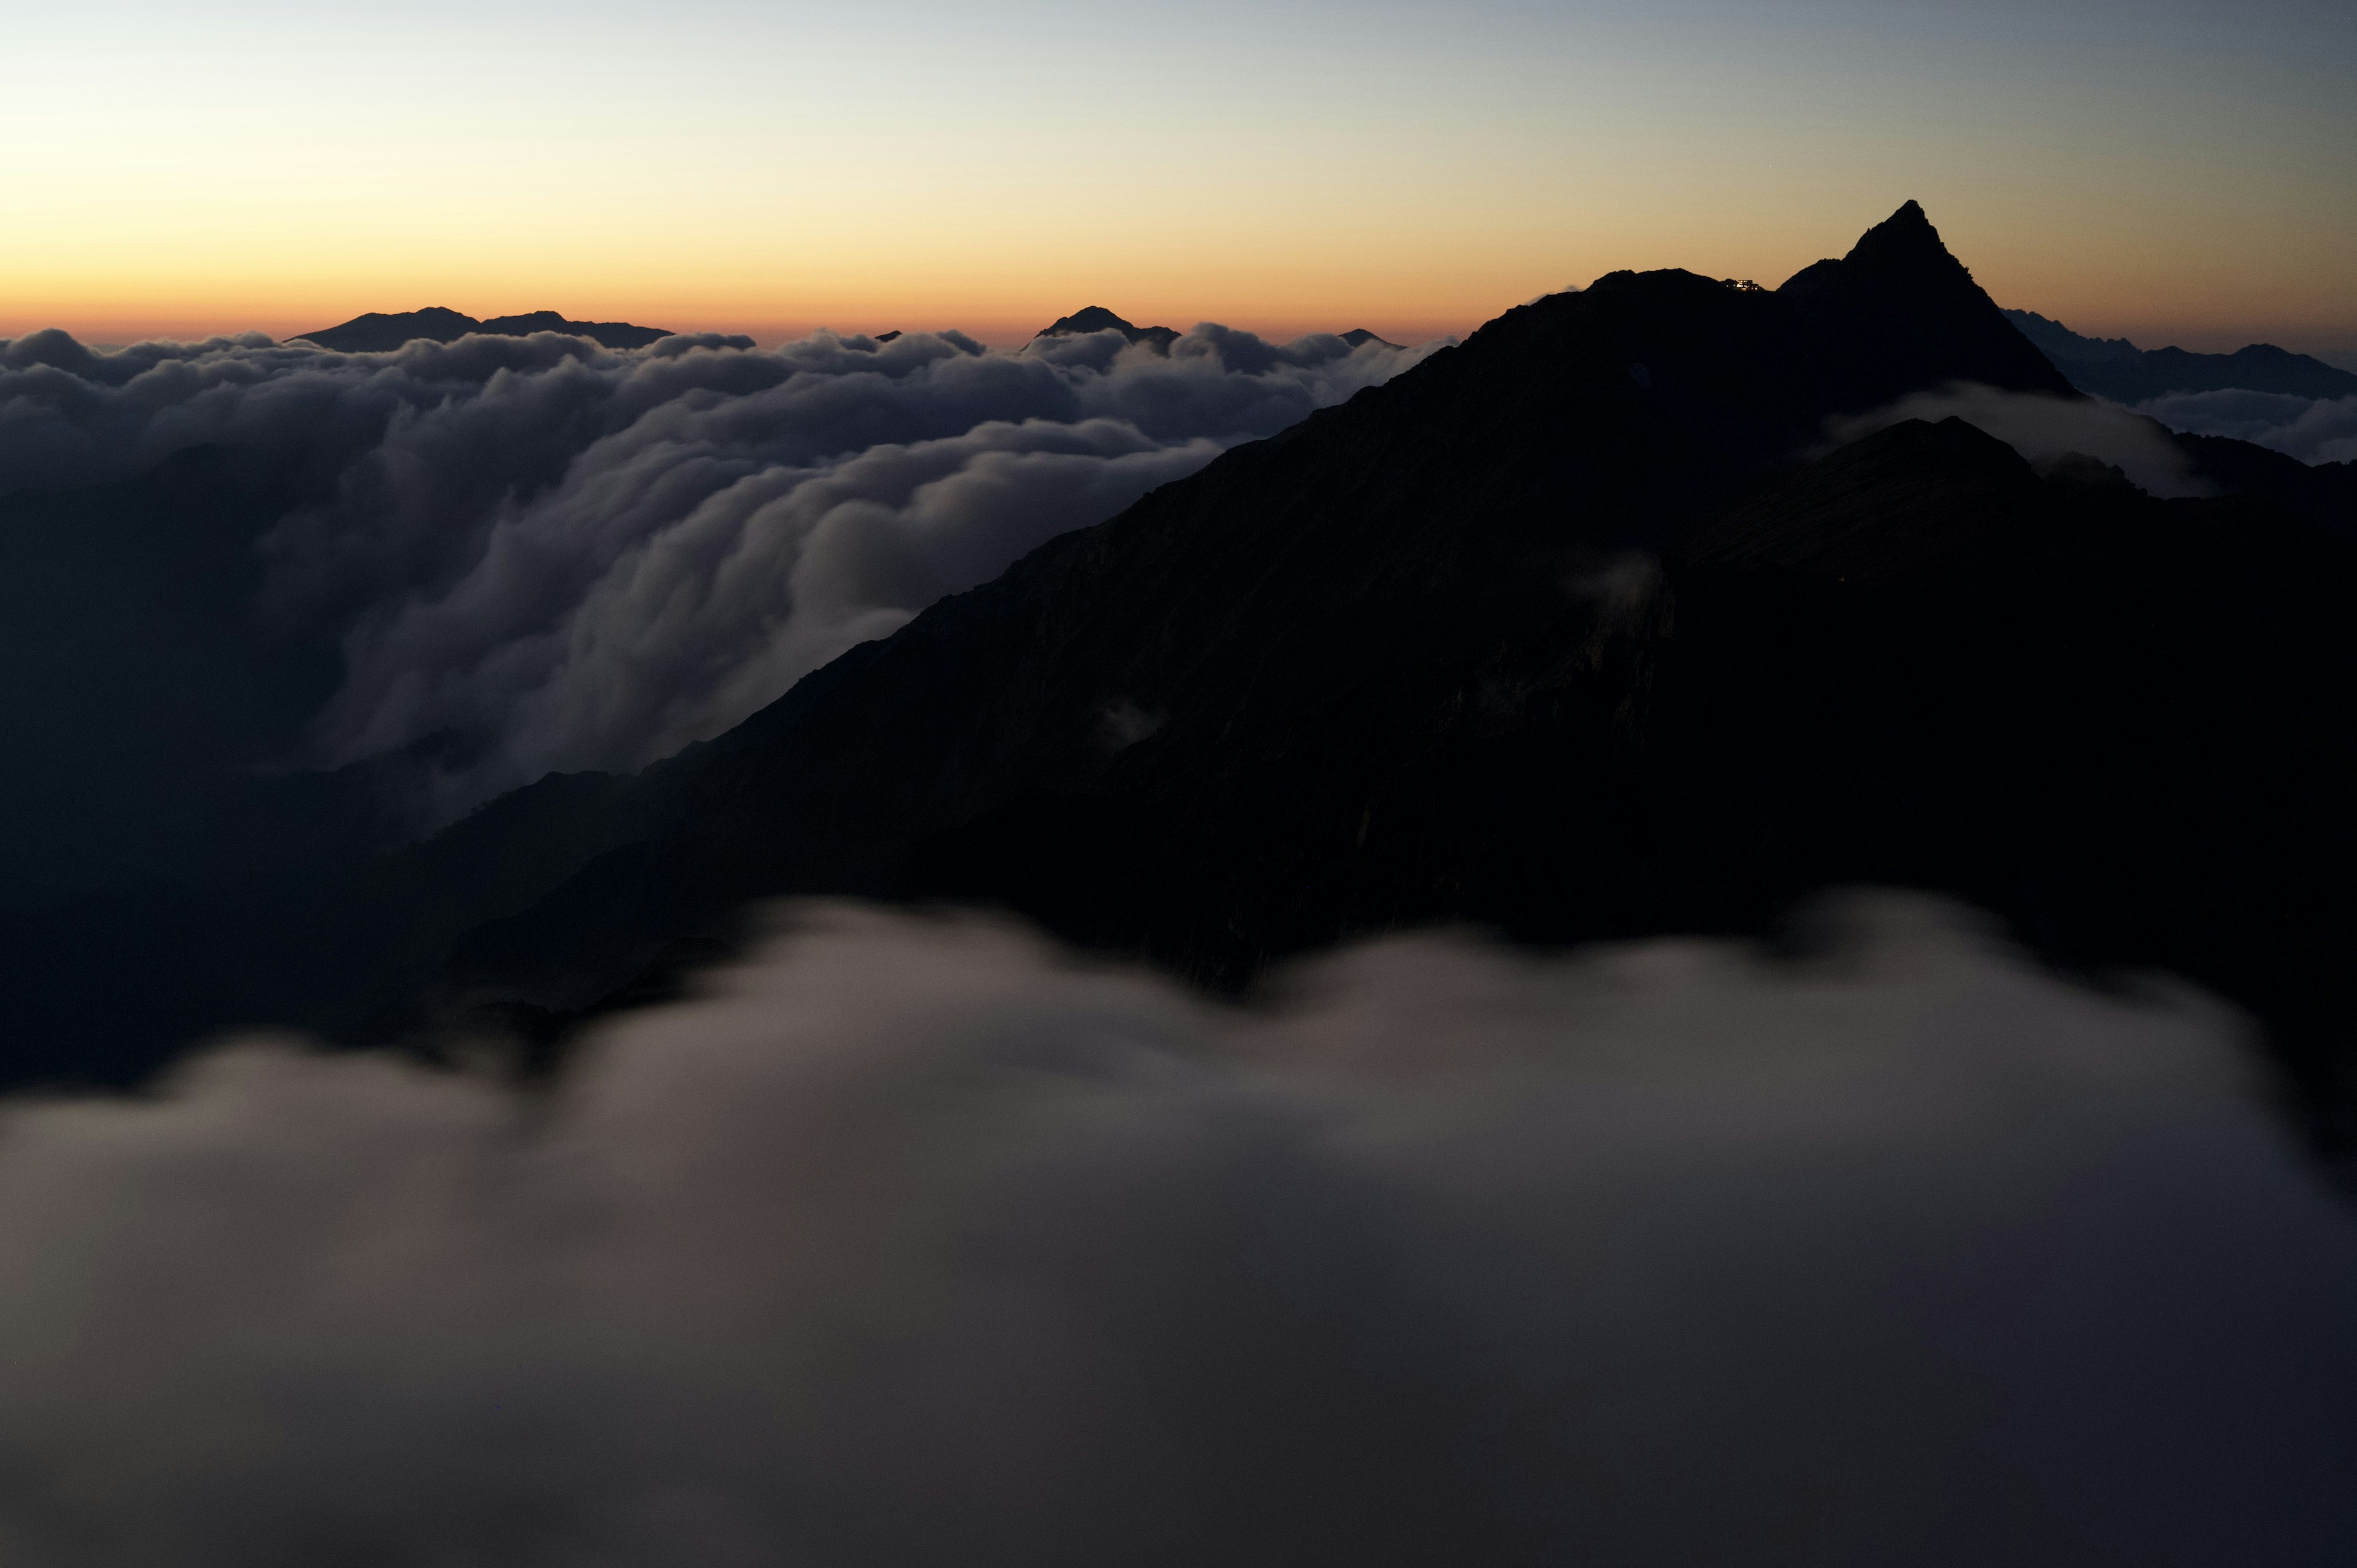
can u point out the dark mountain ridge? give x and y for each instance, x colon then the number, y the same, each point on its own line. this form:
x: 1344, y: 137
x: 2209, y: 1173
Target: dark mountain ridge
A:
x: 1557, y: 633
x: 2116, y: 368
x: 1425, y: 518
x: 377, y: 332
x: 1097, y: 318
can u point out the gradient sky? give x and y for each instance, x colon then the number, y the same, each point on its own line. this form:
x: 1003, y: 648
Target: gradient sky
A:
x: 2171, y: 171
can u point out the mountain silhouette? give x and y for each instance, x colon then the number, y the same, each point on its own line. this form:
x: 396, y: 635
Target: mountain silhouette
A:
x: 1562, y: 633
x: 1097, y: 318
x: 2116, y: 368
x: 377, y: 332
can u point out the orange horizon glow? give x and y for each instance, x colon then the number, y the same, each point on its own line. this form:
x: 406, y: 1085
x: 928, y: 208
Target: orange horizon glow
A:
x: 2207, y: 297
x: 2091, y: 310
x: 2157, y: 172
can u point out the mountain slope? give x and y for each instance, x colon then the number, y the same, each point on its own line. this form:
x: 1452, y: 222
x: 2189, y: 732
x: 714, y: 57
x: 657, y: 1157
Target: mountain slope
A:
x: 1556, y: 633
x: 1425, y: 520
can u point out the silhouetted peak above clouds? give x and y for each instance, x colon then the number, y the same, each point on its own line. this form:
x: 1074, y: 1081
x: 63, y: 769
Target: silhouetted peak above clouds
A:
x: 1358, y: 337
x: 378, y: 332
x: 1097, y: 318
x: 1900, y: 294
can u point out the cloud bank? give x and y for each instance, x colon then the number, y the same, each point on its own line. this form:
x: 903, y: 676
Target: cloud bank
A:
x: 570, y: 557
x: 2043, y: 427
x: 2314, y: 430
x: 915, y: 1242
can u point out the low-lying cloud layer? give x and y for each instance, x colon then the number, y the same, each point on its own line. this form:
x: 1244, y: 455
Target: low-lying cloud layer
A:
x: 577, y: 558
x: 916, y: 1244
x: 2044, y: 427
x: 2314, y: 430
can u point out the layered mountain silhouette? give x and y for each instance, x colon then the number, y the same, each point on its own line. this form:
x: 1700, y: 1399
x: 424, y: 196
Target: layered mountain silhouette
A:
x: 1563, y: 633
x: 1097, y: 318
x: 2116, y: 368
x: 378, y: 332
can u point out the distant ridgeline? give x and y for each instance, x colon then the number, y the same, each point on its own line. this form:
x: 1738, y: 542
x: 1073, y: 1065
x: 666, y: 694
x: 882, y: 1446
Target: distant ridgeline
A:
x: 2116, y: 368
x: 378, y: 332
x: 1097, y: 318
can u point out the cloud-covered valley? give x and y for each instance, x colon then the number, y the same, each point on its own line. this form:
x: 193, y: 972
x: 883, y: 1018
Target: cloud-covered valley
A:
x: 916, y: 1241
x: 562, y: 557
x: 2314, y: 430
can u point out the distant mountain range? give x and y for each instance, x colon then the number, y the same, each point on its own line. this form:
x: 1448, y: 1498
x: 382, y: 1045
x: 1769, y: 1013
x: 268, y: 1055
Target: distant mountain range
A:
x: 1097, y: 318
x: 2116, y: 368
x: 378, y: 332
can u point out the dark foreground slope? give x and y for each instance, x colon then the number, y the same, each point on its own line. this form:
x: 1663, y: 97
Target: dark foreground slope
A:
x: 1558, y: 633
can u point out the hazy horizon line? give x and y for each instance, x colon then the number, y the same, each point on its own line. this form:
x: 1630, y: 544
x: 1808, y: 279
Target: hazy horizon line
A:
x: 2333, y: 345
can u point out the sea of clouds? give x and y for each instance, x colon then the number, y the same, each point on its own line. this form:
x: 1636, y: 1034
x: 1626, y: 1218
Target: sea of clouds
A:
x: 2314, y: 430
x: 917, y: 1241
x: 555, y: 556
x: 570, y: 557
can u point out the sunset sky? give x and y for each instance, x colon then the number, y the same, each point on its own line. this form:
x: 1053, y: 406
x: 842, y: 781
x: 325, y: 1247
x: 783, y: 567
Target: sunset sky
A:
x: 2170, y: 171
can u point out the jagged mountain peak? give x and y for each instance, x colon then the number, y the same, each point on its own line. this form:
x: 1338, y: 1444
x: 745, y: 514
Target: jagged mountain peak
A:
x: 1901, y: 293
x: 1906, y: 245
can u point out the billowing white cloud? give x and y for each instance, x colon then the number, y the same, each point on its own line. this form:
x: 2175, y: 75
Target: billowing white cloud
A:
x: 914, y: 1242
x: 2043, y: 427
x: 2312, y: 429
x: 578, y: 558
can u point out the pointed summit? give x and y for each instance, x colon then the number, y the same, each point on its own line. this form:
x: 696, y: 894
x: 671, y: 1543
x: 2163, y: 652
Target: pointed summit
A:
x: 1906, y: 314
x: 1905, y: 244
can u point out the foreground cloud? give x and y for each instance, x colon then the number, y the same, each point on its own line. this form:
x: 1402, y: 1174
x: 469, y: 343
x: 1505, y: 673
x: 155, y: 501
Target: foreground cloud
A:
x: 575, y: 558
x: 916, y: 1244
